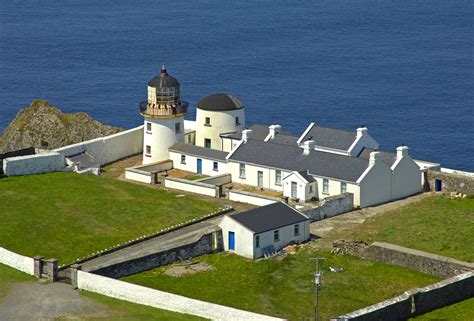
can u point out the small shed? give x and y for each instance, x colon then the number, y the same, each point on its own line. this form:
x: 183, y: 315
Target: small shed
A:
x: 264, y: 230
x: 300, y: 185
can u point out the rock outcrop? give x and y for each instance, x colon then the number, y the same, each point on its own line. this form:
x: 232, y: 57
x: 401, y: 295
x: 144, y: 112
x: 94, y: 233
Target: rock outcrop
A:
x: 42, y: 125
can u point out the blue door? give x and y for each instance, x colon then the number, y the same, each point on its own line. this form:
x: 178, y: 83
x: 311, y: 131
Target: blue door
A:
x: 231, y: 241
x: 438, y: 185
x: 199, y: 166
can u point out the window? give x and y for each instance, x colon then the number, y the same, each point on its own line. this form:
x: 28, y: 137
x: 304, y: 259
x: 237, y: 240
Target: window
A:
x: 148, y: 150
x: 215, y: 167
x: 343, y: 187
x: 311, y: 188
x: 276, y: 236
x: 325, y: 186
x: 257, y: 241
x: 277, y: 177
x: 237, y: 121
x: 207, y: 121
x: 177, y: 127
x: 183, y: 159
x: 207, y: 142
x: 148, y: 127
x: 242, y: 171
x: 297, y: 229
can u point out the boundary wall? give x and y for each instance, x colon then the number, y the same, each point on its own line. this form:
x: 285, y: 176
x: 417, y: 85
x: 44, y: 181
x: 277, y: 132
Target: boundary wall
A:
x: 192, y: 186
x: 331, y: 206
x: 250, y: 198
x: 33, y: 164
x: 162, y: 300
x: 452, y: 181
x: 23, y: 263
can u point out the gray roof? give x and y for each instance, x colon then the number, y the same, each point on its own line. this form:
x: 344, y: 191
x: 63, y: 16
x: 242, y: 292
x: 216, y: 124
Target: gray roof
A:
x: 291, y: 158
x: 260, y: 132
x: 163, y: 80
x: 387, y: 157
x: 220, y: 102
x: 198, y: 151
x: 269, y: 217
x: 306, y: 176
x: 331, y: 137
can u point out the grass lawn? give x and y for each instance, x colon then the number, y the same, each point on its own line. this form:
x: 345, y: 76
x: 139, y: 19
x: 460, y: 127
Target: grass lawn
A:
x: 284, y: 288
x: 462, y: 311
x: 439, y: 225
x: 69, y: 216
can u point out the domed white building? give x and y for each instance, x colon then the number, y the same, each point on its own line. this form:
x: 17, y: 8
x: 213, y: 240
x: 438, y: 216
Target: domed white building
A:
x: 164, y: 113
x: 215, y: 115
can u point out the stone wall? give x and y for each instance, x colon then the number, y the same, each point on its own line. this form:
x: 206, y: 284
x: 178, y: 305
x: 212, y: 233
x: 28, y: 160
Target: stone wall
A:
x: 331, y: 206
x: 17, y: 261
x: 417, y: 301
x: 162, y: 300
x: 452, y: 181
x: 250, y: 198
x: 192, y: 186
x: 33, y: 164
x: 415, y: 259
x: 15, y: 153
x: 203, y: 246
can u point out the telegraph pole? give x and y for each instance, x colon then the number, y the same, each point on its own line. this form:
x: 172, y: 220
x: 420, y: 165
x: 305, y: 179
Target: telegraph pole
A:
x: 317, y: 284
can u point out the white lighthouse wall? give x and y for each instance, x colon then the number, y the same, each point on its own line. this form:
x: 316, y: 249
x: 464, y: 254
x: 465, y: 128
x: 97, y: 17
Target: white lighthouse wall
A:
x: 220, y: 122
x: 161, y: 137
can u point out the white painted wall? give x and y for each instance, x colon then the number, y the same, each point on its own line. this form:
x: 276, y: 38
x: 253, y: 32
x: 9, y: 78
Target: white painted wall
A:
x: 229, y: 144
x: 162, y: 300
x: 363, y: 140
x: 405, y: 178
x: 303, y: 187
x: 191, y: 186
x: 243, y: 237
x: 221, y: 122
x: 161, y: 137
x: 243, y: 197
x: 251, y: 175
x: 33, y: 164
x: 191, y: 164
x: 376, y: 185
x: 143, y: 177
x: 17, y: 261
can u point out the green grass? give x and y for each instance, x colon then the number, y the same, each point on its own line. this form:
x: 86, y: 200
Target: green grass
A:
x: 8, y: 276
x: 439, y: 225
x: 69, y: 216
x: 284, y: 288
x: 462, y: 311
x: 195, y: 177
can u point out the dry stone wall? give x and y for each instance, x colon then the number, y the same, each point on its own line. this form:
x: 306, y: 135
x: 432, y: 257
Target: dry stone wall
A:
x: 452, y: 182
x: 331, y: 206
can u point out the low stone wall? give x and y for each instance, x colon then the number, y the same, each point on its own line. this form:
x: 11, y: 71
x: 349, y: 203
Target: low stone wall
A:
x: 331, y: 206
x: 250, y: 198
x: 23, y: 263
x: 417, y: 301
x: 452, y: 181
x: 415, y: 259
x: 217, y: 180
x: 138, y: 175
x: 163, y: 300
x: 16, y: 153
x: 147, y: 173
x: 192, y: 186
x: 33, y: 164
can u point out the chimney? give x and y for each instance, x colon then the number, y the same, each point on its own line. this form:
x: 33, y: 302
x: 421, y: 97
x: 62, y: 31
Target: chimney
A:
x: 274, y: 130
x: 361, y: 131
x: 402, y: 151
x: 246, y: 135
x: 374, y: 157
x: 308, y: 146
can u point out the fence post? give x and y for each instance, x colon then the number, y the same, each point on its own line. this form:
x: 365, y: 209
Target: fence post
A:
x: 73, y: 270
x: 52, y: 269
x: 38, y: 266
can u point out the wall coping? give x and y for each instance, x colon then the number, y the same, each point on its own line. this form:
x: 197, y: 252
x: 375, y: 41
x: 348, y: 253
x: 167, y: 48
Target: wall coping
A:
x: 186, y: 181
x: 255, y: 195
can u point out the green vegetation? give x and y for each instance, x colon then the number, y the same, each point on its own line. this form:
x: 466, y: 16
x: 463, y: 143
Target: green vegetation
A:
x: 8, y: 276
x: 439, y: 225
x: 69, y: 216
x: 123, y: 310
x: 462, y: 311
x: 284, y: 287
x: 194, y: 177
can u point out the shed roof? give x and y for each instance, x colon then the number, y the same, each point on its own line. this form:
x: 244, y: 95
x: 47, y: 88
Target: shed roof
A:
x: 220, y: 102
x: 260, y: 132
x: 330, y: 137
x: 198, y: 151
x: 292, y: 158
x: 269, y: 217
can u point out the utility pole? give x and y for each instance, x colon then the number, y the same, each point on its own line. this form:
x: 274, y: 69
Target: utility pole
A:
x: 317, y: 284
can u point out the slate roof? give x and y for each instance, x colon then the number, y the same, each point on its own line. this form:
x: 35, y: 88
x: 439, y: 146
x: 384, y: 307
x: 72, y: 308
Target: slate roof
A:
x: 291, y: 158
x: 269, y: 217
x: 220, y: 102
x: 306, y: 176
x: 198, y: 151
x: 163, y: 80
x: 387, y: 157
x: 260, y: 132
x: 330, y: 137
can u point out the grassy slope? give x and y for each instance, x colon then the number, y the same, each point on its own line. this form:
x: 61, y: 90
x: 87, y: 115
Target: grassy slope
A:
x: 69, y: 216
x: 462, y: 311
x: 284, y: 288
x: 437, y: 224
x: 8, y: 276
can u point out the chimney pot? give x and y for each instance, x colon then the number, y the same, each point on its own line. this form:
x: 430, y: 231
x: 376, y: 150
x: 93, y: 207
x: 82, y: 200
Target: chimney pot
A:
x: 274, y: 130
x: 374, y: 157
x: 308, y: 146
x: 246, y: 135
x: 361, y: 131
x: 402, y: 151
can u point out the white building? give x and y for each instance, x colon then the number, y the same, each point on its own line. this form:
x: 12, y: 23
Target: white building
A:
x: 264, y: 230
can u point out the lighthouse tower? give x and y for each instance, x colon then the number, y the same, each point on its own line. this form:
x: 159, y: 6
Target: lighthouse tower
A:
x: 164, y: 117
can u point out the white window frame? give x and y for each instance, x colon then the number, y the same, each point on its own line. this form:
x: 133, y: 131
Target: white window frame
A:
x: 296, y: 229
x: 343, y: 187
x: 207, y: 121
x: 183, y: 159
x: 242, y: 170
x: 148, y: 150
x: 311, y: 188
x: 276, y: 235
x: 148, y: 127
x: 278, y: 177
x: 257, y: 241
x: 325, y: 186
x: 215, y: 166
x: 177, y: 127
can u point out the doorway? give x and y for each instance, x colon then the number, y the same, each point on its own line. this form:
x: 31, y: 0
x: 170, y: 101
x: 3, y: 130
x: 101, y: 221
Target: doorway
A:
x: 199, y: 166
x: 260, y: 178
x: 231, y: 240
x: 294, y: 190
x: 438, y: 185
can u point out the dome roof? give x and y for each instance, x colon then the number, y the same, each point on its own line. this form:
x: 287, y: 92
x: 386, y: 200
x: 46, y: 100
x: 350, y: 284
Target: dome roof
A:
x: 220, y: 102
x: 163, y: 80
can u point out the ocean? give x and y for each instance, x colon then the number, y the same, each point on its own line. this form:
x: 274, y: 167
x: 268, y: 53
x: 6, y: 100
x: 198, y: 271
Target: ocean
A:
x: 402, y: 68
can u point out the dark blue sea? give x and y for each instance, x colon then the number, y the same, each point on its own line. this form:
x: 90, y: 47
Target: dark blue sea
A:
x: 403, y: 68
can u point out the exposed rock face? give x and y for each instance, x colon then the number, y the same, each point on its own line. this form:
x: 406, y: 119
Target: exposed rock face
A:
x: 42, y: 125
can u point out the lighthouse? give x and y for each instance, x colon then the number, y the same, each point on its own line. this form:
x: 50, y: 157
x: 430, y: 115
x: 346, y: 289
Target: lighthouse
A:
x: 163, y: 114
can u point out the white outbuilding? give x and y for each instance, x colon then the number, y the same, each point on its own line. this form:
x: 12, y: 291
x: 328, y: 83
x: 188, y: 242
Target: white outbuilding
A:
x: 264, y: 230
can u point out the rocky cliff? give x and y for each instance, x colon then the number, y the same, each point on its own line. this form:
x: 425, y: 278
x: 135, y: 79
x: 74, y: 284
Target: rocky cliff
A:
x: 42, y: 125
